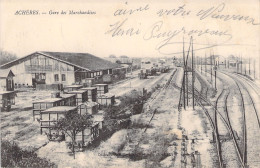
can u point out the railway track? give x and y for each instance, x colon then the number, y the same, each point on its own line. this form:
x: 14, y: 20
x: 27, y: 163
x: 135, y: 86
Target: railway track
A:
x: 250, y: 115
x: 249, y: 96
x: 214, y: 125
x: 155, y: 110
x: 254, y: 86
x: 242, y: 152
x: 241, y: 155
x: 199, y: 96
x: 165, y: 87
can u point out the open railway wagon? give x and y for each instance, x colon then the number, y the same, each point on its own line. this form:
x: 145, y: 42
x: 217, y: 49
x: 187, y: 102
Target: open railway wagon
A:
x: 56, y: 99
x: 87, y: 136
x: 7, y: 93
x: 50, y: 116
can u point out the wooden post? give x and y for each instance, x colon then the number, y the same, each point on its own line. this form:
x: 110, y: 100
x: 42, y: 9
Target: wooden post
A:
x: 205, y: 64
x: 237, y: 66
x: 187, y: 87
x: 215, y: 79
x: 183, y: 85
x: 211, y: 68
x: 201, y: 65
x: 241, y: 65
x: 215, y: 66
x: 192, y: 76
x: 254, y: 69
x: 249, y: 67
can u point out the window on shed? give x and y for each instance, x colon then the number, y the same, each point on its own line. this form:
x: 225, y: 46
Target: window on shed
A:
x: 56, y: 77
x: 63, y: 77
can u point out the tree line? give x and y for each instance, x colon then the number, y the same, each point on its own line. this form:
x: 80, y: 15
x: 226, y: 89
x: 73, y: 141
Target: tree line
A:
x: 6, y: 57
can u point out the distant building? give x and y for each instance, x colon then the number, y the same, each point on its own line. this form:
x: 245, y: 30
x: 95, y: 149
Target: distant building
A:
x: 58, y: 68
x: 216, y: 59
x: 233, y: 61
x: 125, y: 59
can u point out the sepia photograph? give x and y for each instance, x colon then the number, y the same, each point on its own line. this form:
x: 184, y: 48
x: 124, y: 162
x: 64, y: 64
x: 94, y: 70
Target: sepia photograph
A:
x: 123, y: 84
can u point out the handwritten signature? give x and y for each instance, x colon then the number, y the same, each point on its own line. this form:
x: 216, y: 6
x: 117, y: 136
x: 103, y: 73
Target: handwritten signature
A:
x: 155, y: 32
x: 168, y: 36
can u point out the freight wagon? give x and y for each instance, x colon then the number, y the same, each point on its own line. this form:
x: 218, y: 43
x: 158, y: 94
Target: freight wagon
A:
x: 92, y: 93
x: 50, y: 116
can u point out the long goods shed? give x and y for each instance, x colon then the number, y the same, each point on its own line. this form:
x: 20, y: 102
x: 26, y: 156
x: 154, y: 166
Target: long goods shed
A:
x: 58, y: 68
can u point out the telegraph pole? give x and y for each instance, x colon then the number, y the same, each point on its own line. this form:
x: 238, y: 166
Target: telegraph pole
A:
x: 192, y: 75
x: 237, y: 66
x: 254, y: 69
x: 184, y: 67
x: 201, y: 65
x: 249, y: 67
x: 211, y: 68
x: 205, y: 65
x: 187, y: 86
x: 215, y: 69
x: 241, y: 64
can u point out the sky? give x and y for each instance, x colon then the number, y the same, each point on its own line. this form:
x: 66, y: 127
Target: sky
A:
x: 139, y: 33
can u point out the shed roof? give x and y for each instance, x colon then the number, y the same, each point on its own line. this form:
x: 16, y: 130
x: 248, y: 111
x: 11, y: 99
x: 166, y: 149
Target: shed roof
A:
x: 85, y: 60
x: 81, y: 60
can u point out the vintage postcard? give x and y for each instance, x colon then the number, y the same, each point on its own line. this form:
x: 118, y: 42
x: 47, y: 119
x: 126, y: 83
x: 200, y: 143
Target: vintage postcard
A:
x: 115, y: 84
